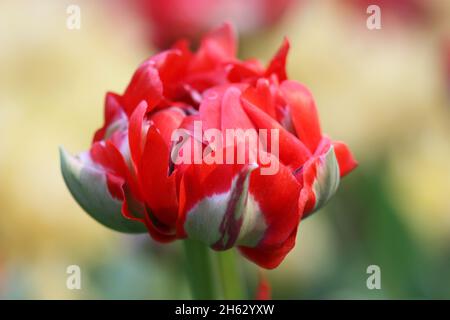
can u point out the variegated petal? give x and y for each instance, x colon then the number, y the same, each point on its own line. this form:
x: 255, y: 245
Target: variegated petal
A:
x: 88, y: 186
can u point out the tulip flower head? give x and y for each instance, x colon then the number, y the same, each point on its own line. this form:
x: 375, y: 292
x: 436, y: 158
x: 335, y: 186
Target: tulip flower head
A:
x: 205, y: 146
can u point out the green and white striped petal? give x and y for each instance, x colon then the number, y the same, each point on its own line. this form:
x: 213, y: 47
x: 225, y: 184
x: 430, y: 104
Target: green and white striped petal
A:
x: 327, y: 178
x: 223, y: 220
x: 322, y: 176
x: 88, y: 186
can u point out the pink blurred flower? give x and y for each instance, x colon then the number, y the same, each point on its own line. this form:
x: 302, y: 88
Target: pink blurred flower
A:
x: 169, y: 20
x: 394, y: 11
x: 446, y: 62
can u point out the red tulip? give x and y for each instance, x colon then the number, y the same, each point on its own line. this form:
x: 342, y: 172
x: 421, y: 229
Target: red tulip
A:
x: 132, y: 178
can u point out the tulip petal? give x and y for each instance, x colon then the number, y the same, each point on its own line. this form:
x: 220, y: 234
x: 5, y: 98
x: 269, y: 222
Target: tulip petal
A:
x: 115, y: 118
x: 210, y: 109
x: 344, y: 157
x: 215, y: 207
x: 321, y: 178
x: 232, y: 114
x: 136, y: 133
x: 171, y: 65
x: 244, y: 70
x: 304, y: 113
x: 159, y: 188
x: 145, y: 86
x: 270, y: 257
x: 292, y: 151
x: 278, y: 64
x: 237, y: 217
x: 270, y: 193
x: 327, y: 178
x: 88, y: 186
x: 261, y: 96
x: 166, y: 121
x: 216, y: 47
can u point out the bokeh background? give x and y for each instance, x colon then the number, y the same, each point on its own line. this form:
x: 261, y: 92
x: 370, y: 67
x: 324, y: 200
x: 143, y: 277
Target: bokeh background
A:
x: 385, y: 92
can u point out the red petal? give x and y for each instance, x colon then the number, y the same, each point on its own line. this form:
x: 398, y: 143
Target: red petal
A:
x: 136, y: 134
x: 166, y: 121
x: 172, y: 66
x: 112, y: 161
x: 220, y: 109
x: 155, y: 232
x: 304, y: 113
x: 200, y: 181
x: 245, y: 70
x: 216, y: 47
x: 113, y: 112
x: 261, y: 96
x: 344, y: 157
x: 159, y: 188
x: 270, y: 257
x: 108, y: 157
x: 144, y: 86
x: 232, y: 114
x: 223, y: 39
x: 136, y: 210
x: 306, y: 177
x: 210, y: 109
x: 271, y: 193
x: 278, y: 64
x: 292, y: 151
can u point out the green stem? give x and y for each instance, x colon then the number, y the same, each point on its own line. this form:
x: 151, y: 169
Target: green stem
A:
x: 199, y: 270
x: 229, y: 275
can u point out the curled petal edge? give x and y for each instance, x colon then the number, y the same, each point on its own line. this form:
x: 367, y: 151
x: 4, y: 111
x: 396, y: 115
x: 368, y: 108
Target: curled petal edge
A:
x: 88, y: 186
x: 321, y: 180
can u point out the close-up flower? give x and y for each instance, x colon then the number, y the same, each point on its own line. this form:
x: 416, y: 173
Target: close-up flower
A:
x: 224, y: 150
x: 130, y: 179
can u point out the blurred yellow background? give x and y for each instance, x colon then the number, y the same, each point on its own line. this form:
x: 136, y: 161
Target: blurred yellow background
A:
x: 384, y: 92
